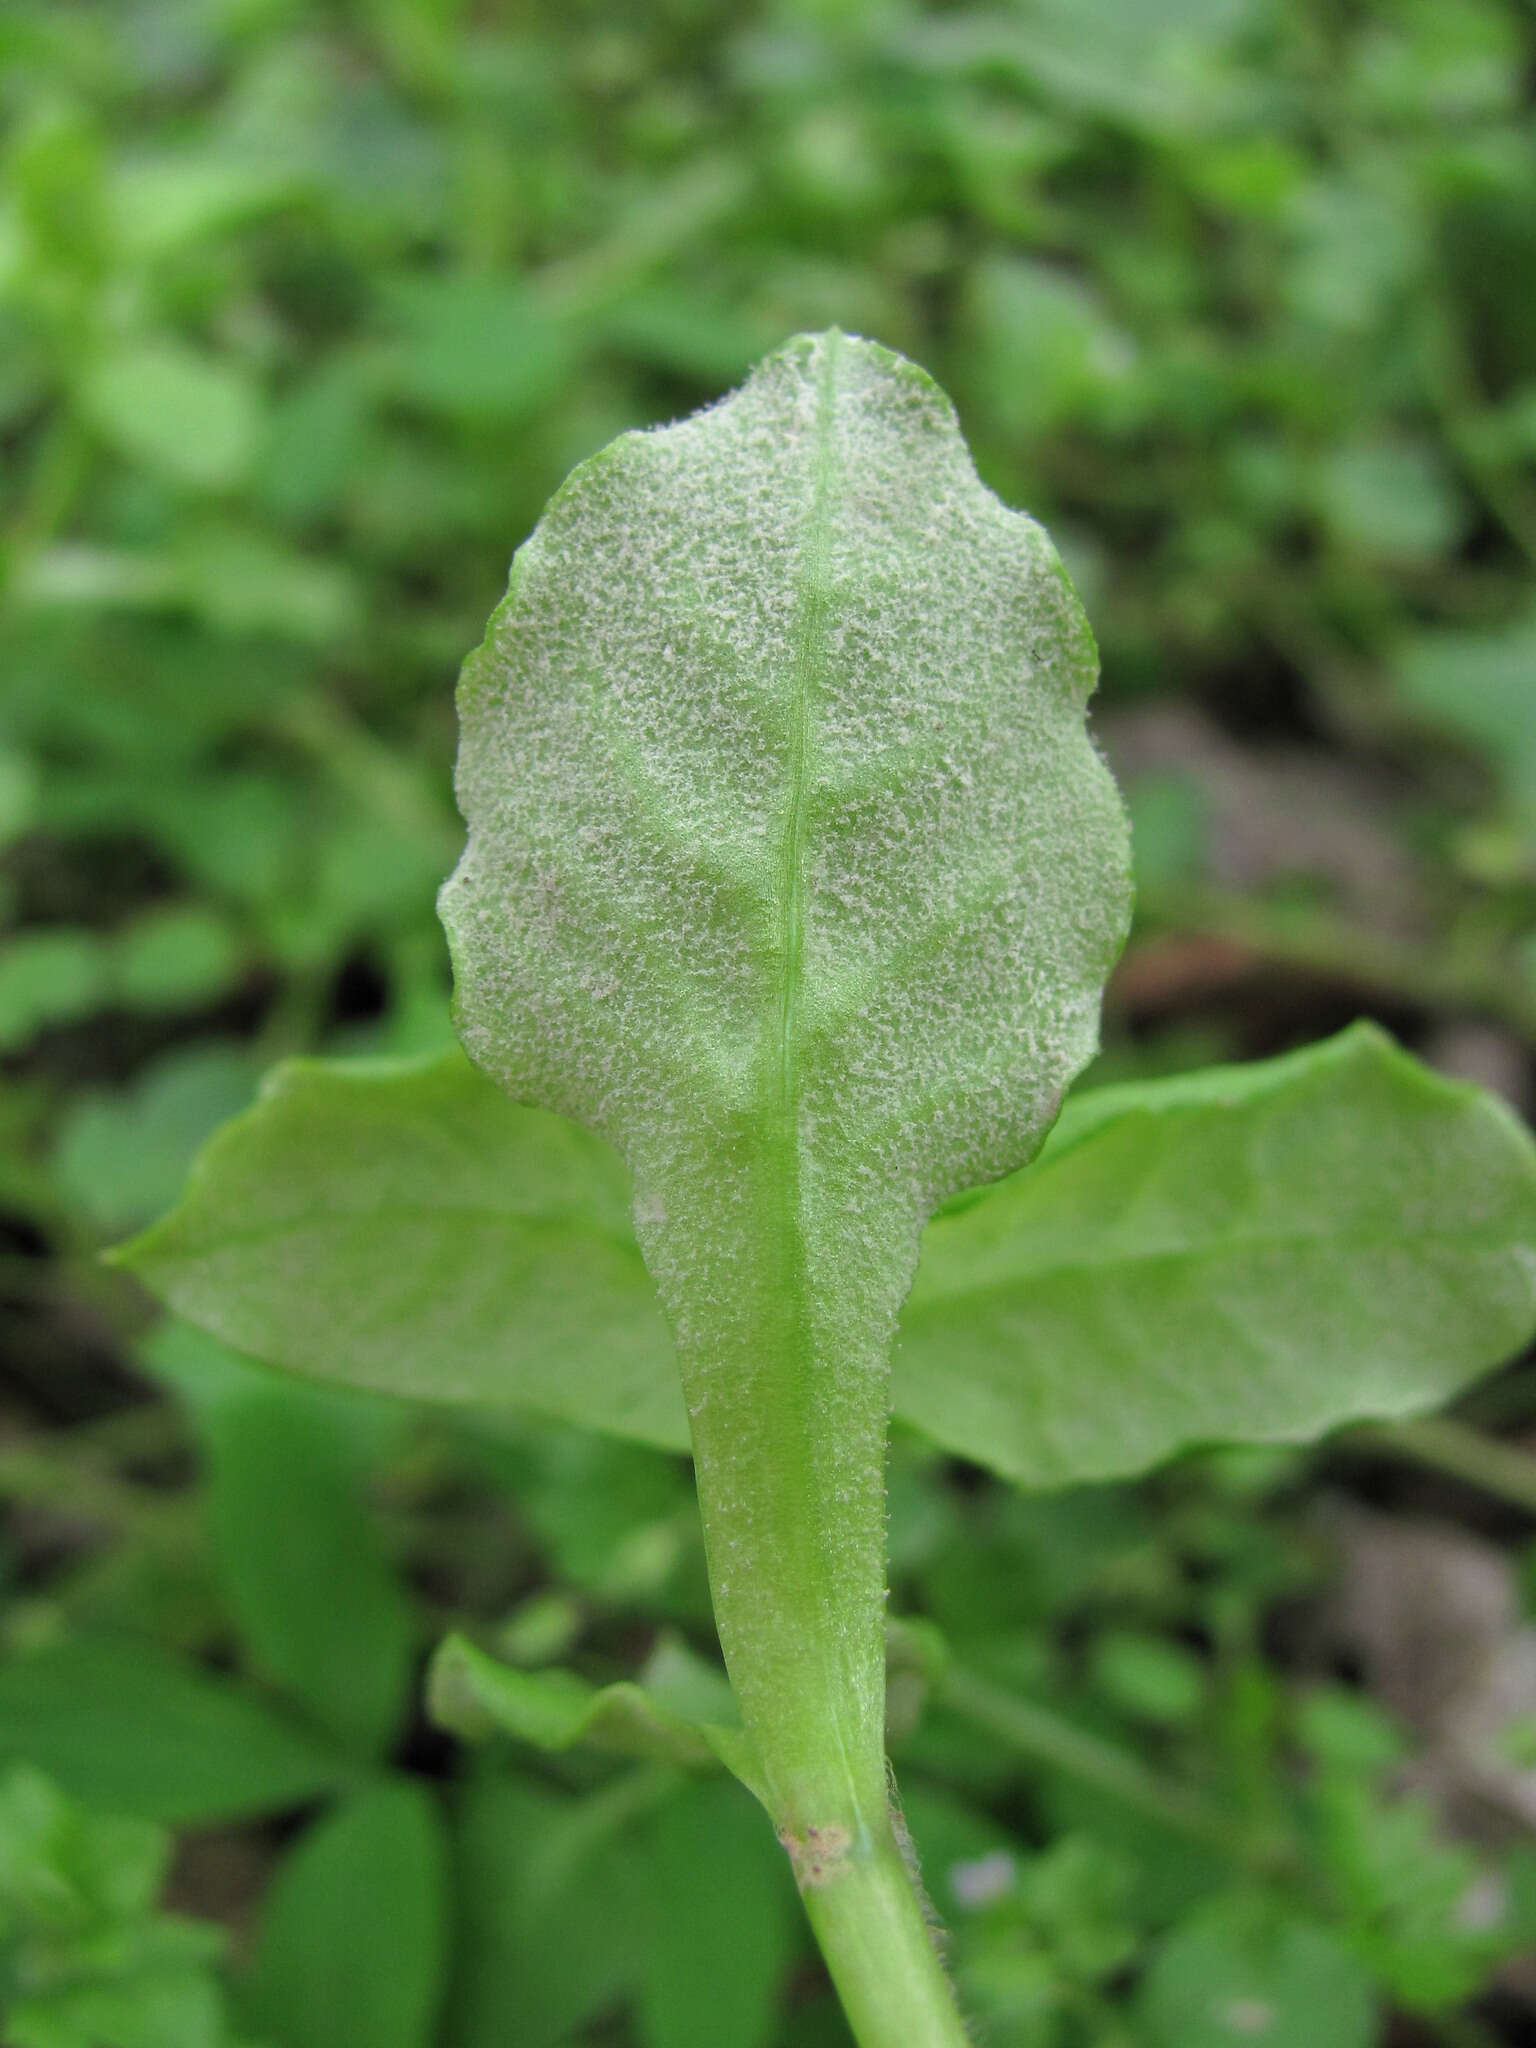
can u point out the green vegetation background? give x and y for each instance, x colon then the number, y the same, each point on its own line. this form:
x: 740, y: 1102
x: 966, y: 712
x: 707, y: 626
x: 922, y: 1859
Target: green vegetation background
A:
x: 304, y: 311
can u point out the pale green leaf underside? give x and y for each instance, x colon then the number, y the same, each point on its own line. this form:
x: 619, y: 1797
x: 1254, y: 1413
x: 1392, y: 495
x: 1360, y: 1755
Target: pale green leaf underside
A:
x: 1254, y: 1252
x: 403, y: 1227
x: 474, y: 1695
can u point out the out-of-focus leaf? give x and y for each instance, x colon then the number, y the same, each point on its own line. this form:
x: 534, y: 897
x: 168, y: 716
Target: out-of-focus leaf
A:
x: 191, y: 416
x: 1390, y: 498
x: 1254, y: 1253
x: 85, y: 1957
x: 163, y: 203
x: 49, y: 976
x: 1046, y: 350
x: 175, y: 959
x: 1402, y: 1892
x: 354, y: 1933
x: 1482, y: 687
x: 552, y: 1921
x: 123, y: 1726
x: 123, y: 1156
x: 722, y: 1920
x: 476, y: 347
x: 241, y: 581
x: 319, y: 1606
x: 1240, y: 1973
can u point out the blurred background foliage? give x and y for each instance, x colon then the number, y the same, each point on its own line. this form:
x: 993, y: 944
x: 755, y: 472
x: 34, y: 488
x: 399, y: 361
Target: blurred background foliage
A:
x: 304, y: 311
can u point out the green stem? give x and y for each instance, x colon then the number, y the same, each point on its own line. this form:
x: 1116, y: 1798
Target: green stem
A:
x: 789, y: 1449
x: 880, y: 1952
x: 1038, y: 1733
x: 1450, y: 1447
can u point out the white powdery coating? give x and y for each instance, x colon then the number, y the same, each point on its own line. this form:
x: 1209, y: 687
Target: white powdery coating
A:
x: 782, y: 806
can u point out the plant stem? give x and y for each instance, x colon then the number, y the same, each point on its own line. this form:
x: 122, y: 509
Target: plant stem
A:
x: 880, y: 1952
x: 788, y: 1418
x: 1451, y: 1447
x: 1036, y: 1732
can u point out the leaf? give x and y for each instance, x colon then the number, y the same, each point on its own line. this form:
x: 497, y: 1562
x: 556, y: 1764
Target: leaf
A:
x: 193, y: 416
x: 49, y: 977
x: 1258, y: 1252
x: 121, y: 1725
x: 354, y: 1934
x: 301, y: 1559
x: 1239, y: 1975
x: 722, y: 1907
x: 1482, y: 687
x: 474, y: 1695
x: 1009, y: 1393
x: 122, y: 1155
x: 793, y: 871
x: 176, y: 959
x: 402, y: 1226
x: 82, y: 1948
x: 551, y: 1924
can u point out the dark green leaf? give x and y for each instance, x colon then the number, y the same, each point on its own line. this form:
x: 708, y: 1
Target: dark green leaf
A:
x: 1240, y: 1975
x: 318, y: 1604
x: 354, y: 1934
x: 552, y: 1923
x: 123, y: 1726
x: 722, y: 1920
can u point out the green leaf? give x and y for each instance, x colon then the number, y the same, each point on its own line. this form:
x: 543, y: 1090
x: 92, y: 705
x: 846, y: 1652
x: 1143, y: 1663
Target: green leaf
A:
x: 721, y: 1918
x: 174, y: 409
x: 551, y: 1919
x: 402, y: 1226
x: 1390, y: 497
x: 65, y: 1870
x: 1482, y: 687
x: 123, y: 1726
x: 175, y: 959
x: 1240, y: 1975
x: 84, y: 1954
x: 792, y: 870
x: 1257, y: 1252
x: 301, y: 1558
x: 474, y: 1696
x: 1004, y: 1357
x: 49, y: 977
x: 354, y: 1933
x: 121, y: 1156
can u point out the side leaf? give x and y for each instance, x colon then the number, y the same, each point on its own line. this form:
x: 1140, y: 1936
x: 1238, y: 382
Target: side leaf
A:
x: 1366, y: 1161
x: 402, y: 1226
x: 1258, y: 1252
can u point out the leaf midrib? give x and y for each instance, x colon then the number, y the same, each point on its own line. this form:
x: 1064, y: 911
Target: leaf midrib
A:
x: 810, y: 636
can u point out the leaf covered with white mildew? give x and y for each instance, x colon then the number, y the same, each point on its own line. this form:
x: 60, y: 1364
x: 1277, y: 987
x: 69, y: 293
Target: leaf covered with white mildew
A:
x: 793, y: 871
x: 785, y: 826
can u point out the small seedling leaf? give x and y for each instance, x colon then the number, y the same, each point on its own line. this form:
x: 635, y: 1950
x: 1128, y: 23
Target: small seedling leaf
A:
x: 475, y: 1696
